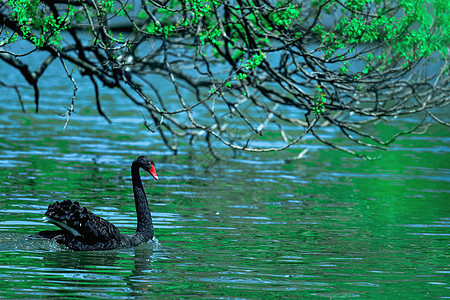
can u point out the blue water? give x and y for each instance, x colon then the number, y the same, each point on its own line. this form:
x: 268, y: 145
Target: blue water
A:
x: 252, y: 226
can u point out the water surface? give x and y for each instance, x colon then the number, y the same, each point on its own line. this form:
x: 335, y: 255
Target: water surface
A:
x: 253, y: 226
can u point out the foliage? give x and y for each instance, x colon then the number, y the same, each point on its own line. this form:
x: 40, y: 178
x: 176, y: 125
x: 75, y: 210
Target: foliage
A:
x: 269, y: 65
x: 37, y: 24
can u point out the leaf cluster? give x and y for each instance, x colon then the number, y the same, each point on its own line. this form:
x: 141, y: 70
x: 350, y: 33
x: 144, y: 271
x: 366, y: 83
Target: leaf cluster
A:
x: 37, y: 24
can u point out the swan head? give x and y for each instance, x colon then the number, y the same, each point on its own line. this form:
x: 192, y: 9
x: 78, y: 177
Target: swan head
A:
x: 147, y: 164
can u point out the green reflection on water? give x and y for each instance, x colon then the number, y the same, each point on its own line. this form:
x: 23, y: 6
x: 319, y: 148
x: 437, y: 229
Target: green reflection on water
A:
x: 329, y: 225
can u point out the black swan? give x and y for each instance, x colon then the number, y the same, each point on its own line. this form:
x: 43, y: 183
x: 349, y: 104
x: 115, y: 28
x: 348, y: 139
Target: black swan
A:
x: 83, y: 231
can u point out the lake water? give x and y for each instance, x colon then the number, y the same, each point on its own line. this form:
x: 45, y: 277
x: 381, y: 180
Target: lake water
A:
x: 254, y: 226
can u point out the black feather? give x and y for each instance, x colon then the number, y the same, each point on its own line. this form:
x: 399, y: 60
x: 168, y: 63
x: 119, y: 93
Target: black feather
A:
x: 83, y: 230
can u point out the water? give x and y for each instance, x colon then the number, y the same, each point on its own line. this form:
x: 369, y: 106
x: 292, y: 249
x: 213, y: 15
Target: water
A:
x: 256, y: 226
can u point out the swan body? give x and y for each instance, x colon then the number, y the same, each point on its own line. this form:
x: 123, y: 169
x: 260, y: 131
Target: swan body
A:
x: 82, y: 230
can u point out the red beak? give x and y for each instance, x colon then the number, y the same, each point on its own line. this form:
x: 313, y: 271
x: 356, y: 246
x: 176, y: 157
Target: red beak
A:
x: 153, y: 172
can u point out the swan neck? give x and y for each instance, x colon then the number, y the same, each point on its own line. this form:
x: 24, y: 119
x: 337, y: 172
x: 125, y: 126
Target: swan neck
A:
x: 144, y: 219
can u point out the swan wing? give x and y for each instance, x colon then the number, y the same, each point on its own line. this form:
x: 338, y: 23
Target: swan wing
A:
x: 79, y: 221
